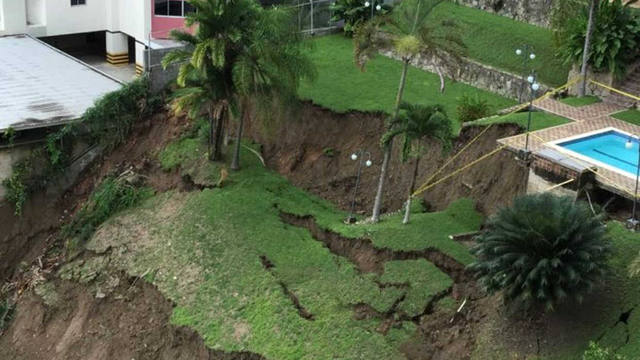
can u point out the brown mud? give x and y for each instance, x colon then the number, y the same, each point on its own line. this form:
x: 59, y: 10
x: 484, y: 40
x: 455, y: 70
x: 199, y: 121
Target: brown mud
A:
x: 133, y: 321
x: 313, y: 151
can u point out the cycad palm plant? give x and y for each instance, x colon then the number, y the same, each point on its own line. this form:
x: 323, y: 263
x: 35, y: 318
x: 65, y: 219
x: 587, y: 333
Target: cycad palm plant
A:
x: 415, y: 123
x: 410, y: 32
x: 239, y: 52
x: 544, y: 249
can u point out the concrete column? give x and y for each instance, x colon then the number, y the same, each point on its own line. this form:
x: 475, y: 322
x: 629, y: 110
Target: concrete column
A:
x: 141, y: 60
x: 117, y: 48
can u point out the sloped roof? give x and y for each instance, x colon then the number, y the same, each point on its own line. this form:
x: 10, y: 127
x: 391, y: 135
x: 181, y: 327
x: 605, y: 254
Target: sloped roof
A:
x: 41, y: 86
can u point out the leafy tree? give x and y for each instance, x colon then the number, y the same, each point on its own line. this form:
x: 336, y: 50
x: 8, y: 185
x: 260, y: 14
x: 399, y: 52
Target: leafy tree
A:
x: 606, y: 35
x: 355, y: 13
x: 410, y: 34
x: 414, y: 123
x: 239, y: 51
x: 543, y: 249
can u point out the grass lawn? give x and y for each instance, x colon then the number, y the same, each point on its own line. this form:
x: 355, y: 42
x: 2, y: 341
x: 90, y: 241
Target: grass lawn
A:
x: 206, y: 251
x: 630, y: 116
x: 342, y: 87
x: 539, y: 120
x: 580, y: 101
x: 492, y: 40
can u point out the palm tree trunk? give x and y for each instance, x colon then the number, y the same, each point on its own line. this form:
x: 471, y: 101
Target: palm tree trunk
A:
x: 235, y: 163
x: 407, y: 211
x: 216, y: 133
x: 212, y: 126
x: 587, y: 47
x: 387, y: 150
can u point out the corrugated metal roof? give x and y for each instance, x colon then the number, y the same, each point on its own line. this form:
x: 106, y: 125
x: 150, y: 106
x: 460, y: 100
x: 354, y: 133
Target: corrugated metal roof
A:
x: 41, y: 86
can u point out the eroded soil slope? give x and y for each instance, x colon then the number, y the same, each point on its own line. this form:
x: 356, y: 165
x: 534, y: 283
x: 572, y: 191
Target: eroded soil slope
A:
x: 313, y: 150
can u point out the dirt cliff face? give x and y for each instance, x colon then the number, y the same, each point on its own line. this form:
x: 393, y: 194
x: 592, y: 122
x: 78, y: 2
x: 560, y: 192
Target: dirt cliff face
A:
x: 70, y: 320
x: 313, y: 151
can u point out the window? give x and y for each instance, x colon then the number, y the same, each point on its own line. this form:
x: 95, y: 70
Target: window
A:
x: 172, y: 8
x: 78, y: 2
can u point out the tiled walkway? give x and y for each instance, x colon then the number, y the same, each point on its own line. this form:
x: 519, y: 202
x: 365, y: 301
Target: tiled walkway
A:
x: 580, y: 113
x: 586, y: 119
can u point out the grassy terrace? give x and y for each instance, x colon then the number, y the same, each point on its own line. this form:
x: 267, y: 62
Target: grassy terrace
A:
x: 342, y: 87
x: 580, y: 101
x: 207, y: 250
x: 631, y: 116
x: 493, y: 39
x: 539, y: 120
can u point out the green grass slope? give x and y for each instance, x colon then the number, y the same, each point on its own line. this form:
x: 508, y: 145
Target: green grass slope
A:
x: 342, y: 87
x: 207, y: 251
x: 492, y: 40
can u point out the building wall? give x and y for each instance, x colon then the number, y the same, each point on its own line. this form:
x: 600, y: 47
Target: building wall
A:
x: 58, y: 17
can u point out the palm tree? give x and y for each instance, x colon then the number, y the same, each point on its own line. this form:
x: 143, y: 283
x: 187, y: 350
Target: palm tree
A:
x: 410, y: 34
x: 269, y: 66
x: 205, y: 64
x: 544, y: 249
x: 414, y: 123
x: 239, y: 51
x: 587, y: 48
x: 563, y: 12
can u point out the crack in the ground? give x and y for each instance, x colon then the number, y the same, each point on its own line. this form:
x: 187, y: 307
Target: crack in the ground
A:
x: 622, y: 319
x: 302, y: 311
x: 371, y: 259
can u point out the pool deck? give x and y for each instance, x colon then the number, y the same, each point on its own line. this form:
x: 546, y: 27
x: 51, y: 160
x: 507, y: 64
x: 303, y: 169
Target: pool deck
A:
x: 585, y: 119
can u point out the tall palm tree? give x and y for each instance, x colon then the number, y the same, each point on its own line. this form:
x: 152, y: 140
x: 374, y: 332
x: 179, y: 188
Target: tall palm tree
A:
x: 205, y: 64
x: 270, y: 65
x: 410, y: 33
x: 415, y: 123
x: 239, y: 52
x: 563, y: 12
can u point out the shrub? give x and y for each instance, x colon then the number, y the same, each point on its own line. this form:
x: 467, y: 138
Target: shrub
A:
x: 111, y: 196
x: 354, y: 13
x: 542, y: 250
x: 7, y: 309
x: 595, y: 352
x: 472, y: 108
x: 615, y: 41
x: 107, y: 122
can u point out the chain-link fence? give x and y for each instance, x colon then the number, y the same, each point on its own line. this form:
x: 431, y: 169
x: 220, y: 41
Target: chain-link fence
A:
x: 314, y: 15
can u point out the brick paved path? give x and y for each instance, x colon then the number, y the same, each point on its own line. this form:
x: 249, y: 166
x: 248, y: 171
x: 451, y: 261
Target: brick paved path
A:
x: 580, y: 113
x: 585, y: 119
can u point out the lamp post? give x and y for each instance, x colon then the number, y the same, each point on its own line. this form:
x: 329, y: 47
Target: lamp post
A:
x: 633, y: 222
x: 370, y: 5
x: 358, y: 155
x: 527, y: 55
x: 534, y: 86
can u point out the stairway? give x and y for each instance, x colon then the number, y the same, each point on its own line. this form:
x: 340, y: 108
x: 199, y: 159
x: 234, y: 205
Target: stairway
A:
x: 630, y: 85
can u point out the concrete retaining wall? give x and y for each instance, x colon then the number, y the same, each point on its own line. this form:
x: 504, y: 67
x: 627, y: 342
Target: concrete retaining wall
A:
x: 537, y: 12
x: 478, y: 75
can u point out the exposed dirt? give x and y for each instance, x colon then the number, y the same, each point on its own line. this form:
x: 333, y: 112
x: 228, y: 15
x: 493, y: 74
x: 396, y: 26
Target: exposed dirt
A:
x: 312, y: 150
x: 24, y: 238
x: 132, y: 322
x: 71, y: 323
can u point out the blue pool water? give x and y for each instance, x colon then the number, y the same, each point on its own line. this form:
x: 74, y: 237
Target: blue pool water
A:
x: 609, y: 148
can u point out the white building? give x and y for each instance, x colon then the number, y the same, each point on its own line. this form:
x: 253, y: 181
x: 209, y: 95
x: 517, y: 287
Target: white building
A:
x: 126, y: 27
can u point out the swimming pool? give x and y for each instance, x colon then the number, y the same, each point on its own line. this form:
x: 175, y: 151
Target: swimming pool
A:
x: 610, y: 148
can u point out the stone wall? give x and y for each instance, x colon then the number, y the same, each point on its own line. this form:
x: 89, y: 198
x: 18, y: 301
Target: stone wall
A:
x: 478, y: 75
x: 158, y: 76
x: 537, y: 12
